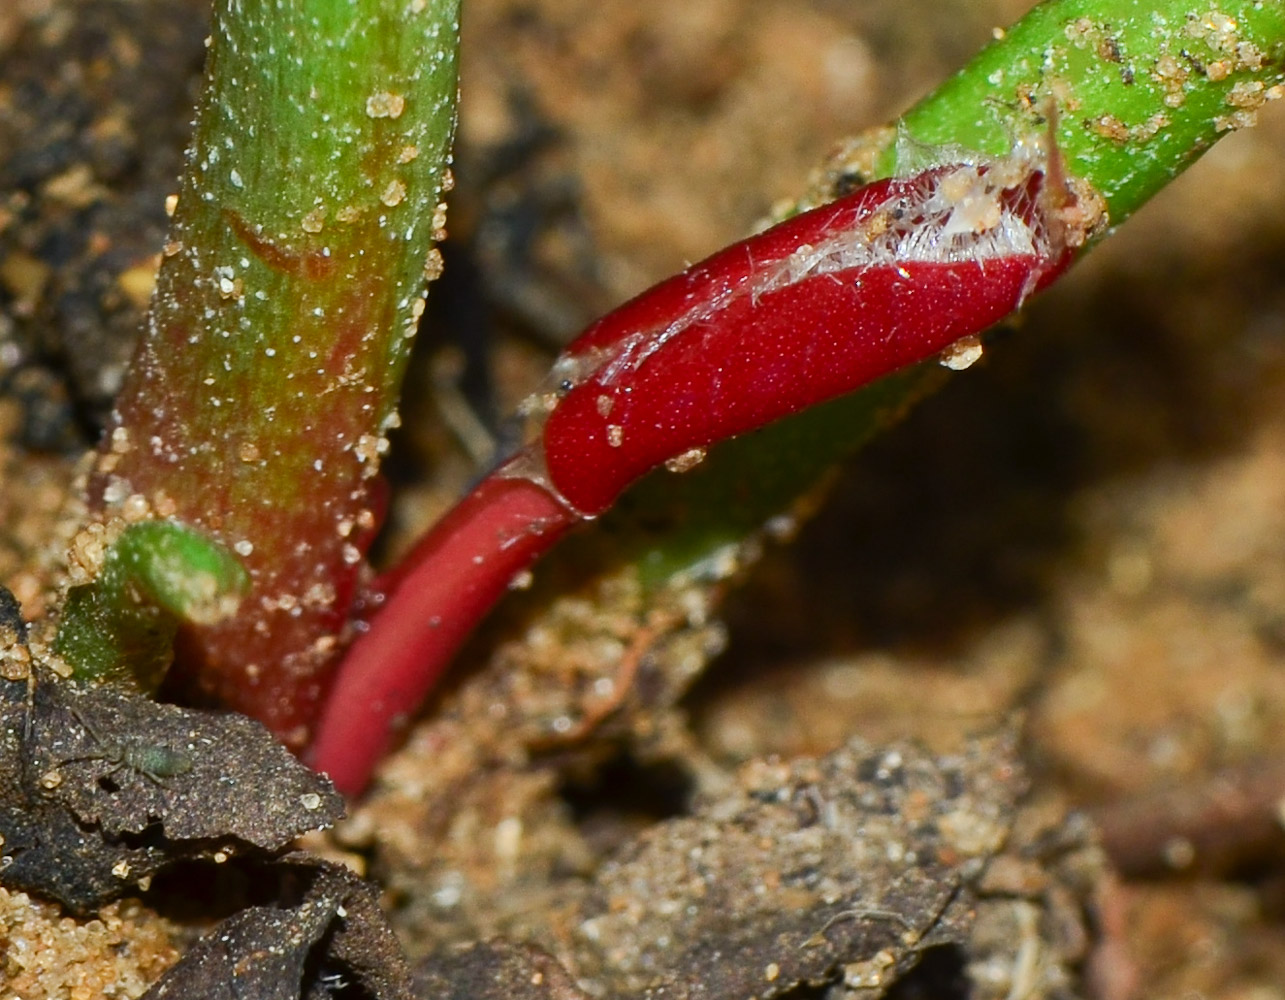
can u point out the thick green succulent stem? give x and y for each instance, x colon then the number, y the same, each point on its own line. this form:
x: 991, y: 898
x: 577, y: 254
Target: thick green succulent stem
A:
x: 287, y: 297
x: 1139, y: 88
x: 120, y: 626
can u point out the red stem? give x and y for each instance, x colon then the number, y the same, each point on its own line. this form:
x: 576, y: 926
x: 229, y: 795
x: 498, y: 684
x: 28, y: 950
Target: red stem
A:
x: 454, y: 576
x: 810, y: 310
x: 759, y: 361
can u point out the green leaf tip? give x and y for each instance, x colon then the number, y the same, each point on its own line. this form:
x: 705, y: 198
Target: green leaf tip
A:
x: 156, y: 576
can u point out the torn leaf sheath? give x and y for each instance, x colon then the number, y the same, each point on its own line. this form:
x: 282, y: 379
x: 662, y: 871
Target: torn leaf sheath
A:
x: 805, y: 312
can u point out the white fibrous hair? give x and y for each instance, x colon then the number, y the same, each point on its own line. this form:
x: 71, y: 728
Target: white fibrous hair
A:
x: 961, y: 208
x: 947, y: 215
x: 965, y: 211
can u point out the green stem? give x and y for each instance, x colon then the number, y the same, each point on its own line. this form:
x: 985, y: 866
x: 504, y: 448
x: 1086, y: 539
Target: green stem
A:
x: 289, y: 291
x: 1014, y: 94
x: 1140, y: 87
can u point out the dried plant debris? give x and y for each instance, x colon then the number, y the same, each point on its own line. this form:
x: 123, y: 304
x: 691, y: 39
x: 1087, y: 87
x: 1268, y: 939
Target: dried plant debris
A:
x: 326, y: 937
x: 497, y: 970
x: 840, y: 871
x: 100, y: 789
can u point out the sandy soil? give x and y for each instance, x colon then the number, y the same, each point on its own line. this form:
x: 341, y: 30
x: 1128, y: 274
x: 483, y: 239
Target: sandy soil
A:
x: 1084, y: 531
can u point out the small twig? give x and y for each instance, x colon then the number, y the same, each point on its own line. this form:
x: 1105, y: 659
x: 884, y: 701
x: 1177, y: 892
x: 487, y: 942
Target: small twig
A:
x: 1213, y: 827
x: 594, y: 713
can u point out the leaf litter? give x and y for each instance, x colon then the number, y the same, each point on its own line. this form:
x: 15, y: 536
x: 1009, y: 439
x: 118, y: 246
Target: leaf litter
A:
x: 100, y: 789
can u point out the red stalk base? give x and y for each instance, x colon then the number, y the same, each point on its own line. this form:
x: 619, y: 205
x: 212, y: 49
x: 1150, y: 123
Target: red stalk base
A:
x: 809, y: 310
x: 454, y: 576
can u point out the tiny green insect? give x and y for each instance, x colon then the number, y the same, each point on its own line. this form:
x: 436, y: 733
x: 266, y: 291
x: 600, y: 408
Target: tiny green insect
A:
x: 153, y: 761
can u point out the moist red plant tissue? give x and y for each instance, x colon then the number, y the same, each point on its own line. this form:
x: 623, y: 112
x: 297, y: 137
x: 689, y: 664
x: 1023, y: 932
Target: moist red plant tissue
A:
x: 809, y: 310
x: 897, y: 272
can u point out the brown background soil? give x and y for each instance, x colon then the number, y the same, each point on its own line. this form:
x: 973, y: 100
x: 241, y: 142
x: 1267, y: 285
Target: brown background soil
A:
x: 1088, y: 527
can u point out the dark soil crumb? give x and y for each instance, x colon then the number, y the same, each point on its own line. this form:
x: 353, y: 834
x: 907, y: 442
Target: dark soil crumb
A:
x: 102, y: 789
x: 849, y: 863
x: 95, y: 100
x: 841, y: 872
x: 324, y: 936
